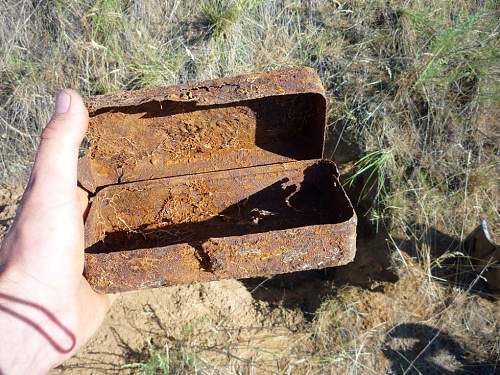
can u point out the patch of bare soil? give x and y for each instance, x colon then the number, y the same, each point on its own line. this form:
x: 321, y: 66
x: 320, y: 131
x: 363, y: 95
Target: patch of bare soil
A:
x: 9, y: 199
x: 208, y: 316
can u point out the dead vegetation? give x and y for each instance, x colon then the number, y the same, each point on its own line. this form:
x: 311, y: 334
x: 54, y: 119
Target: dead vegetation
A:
x: 413, y: 89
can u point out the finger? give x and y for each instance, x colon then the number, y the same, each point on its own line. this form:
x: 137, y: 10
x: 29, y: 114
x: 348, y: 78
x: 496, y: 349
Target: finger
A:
x: 55, y: 168
x: 83, y: 198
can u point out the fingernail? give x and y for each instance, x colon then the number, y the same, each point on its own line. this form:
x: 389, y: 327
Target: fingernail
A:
x: 63, y: 102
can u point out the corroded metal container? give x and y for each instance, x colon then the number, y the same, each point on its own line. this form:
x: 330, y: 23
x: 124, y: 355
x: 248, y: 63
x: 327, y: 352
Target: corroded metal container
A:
x: 213, y: 180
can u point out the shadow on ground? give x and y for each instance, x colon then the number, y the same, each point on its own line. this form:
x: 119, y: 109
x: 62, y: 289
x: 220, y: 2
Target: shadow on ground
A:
x: 420, y: 349
x: 306, y: 290
x: 372, y: 267
x: 459, y: 270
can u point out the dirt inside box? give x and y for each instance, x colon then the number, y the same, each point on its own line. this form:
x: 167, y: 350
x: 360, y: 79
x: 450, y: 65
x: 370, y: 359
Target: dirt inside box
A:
x: 219, y: 179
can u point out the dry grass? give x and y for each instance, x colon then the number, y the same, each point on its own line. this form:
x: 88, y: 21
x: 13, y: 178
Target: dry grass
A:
x: 413, y: 89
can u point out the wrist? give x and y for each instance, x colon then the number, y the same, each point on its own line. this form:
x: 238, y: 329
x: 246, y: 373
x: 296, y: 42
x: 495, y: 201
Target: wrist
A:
x: 33, y: 340
x: 22, y: 352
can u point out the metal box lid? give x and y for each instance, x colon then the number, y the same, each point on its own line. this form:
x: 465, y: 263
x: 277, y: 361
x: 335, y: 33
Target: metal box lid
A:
x: 243, y: 121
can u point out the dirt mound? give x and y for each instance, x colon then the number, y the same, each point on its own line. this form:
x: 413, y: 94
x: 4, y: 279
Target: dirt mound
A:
x: 215, y: 314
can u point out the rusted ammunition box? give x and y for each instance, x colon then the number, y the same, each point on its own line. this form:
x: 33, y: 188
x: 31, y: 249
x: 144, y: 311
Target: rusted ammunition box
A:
x: 213, y: 180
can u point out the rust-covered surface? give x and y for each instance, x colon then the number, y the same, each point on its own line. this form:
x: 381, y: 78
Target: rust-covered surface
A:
x: 215, y: 125
x: 221, y: 179
x: 238, y: 223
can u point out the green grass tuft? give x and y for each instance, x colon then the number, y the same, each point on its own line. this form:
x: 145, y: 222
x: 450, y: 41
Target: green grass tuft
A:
x: 155, y: 362
x: 373, y: 169
x: 220, y: 15
x: 463, y: 51
x: 106, y: 19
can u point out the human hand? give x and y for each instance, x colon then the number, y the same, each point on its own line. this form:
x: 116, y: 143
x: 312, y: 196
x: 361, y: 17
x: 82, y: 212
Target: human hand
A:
x: 47, y: 308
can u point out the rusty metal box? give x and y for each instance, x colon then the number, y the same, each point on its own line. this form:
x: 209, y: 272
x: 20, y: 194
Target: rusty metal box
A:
x: 218, y: 179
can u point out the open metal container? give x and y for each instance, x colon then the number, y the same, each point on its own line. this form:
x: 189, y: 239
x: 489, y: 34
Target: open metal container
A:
x: 213, y: 180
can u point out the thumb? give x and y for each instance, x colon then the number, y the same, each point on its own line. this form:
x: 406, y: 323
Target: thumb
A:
x: 55, y: 168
